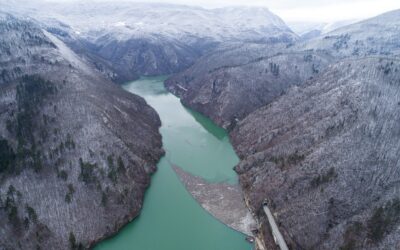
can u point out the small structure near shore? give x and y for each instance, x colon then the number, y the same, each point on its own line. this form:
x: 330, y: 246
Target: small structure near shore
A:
x: 279, y: 240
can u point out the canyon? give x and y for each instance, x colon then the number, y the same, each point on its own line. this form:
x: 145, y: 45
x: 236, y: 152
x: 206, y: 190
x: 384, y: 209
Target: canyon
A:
x: 313, y: 119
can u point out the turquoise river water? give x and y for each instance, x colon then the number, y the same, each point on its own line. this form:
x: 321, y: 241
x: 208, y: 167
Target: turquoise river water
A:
x: 171, y: 219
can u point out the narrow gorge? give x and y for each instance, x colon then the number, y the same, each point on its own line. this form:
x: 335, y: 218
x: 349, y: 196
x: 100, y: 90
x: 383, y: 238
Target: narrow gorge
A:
x: 162, y: 126
x: 197, y: 145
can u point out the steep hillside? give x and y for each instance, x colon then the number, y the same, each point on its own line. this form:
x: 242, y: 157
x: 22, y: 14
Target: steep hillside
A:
x: 76, y: 151
x: 325, y: 156
x: 233, y: 81
x: 315, y: 126
x: 228, y: 94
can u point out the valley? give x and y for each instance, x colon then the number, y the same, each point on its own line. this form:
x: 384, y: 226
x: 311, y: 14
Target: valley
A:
x: 170, y: 214
x: 164, y: 126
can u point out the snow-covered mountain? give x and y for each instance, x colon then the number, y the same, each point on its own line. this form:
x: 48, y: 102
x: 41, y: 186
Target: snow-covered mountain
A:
x: 181, y: 22
x: 374, y: 36
x: 152, y: 39
x: 231, y: 82
x: 57, y: 116
x: 315, y: 125
x: 310, y: 30
x: 302, y: 28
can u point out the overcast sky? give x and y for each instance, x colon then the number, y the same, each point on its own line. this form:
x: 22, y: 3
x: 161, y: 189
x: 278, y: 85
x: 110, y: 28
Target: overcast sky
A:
x: 302, y: 10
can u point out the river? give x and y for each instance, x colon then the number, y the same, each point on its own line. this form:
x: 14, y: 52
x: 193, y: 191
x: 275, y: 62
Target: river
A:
x: 171, y: 219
